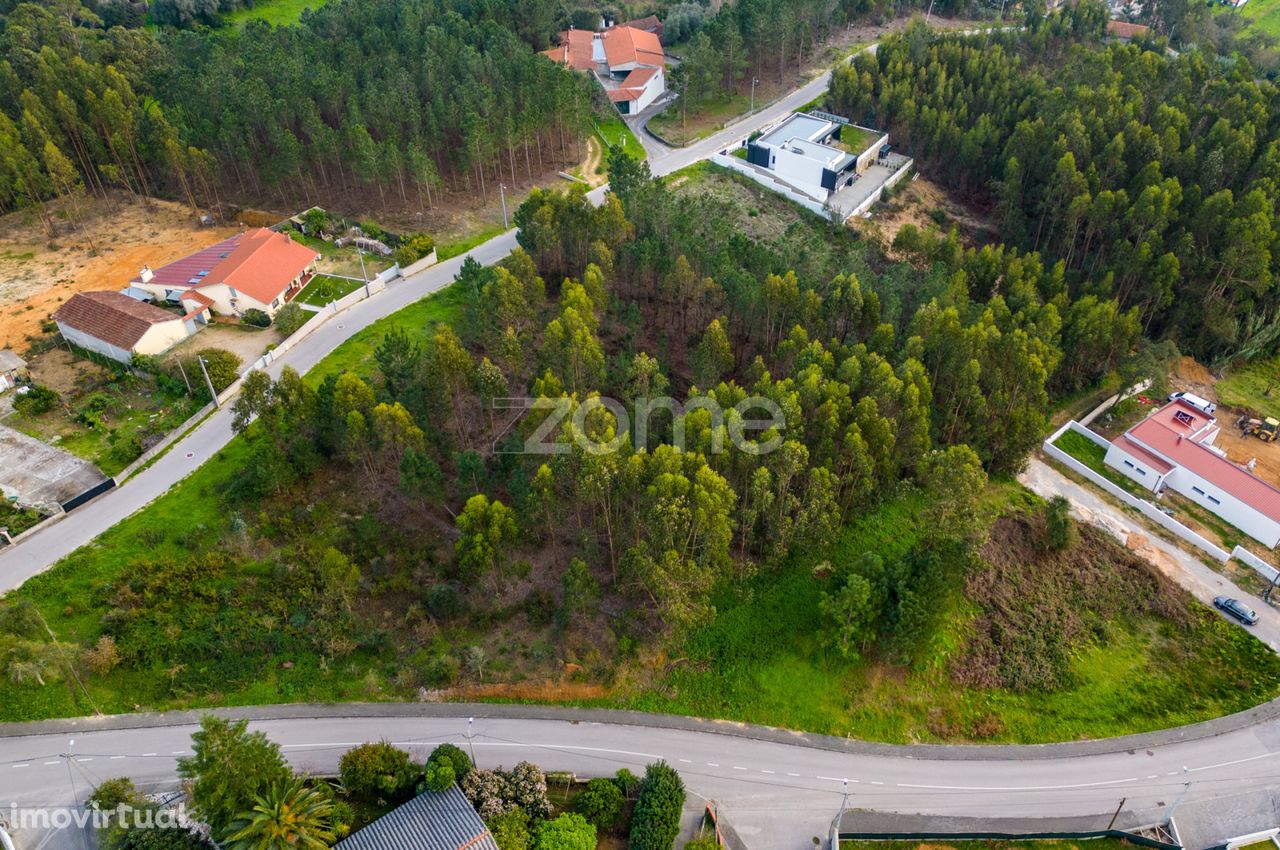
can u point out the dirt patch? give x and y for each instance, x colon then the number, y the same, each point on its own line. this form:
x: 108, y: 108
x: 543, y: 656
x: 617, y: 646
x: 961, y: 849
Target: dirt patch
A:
x: 1190, y: 376
x: 1241, y: 449
x: 38, y: 272
x: 925, y: 204
x: 537, y: 691
x: 64, y: 372
x: 246, y: 343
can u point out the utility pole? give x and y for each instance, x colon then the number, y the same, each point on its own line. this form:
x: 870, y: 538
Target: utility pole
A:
x: 364, y: 275
x: 1185, y: 789
x: 184, y: 375
x: 1123, y: 800
x: 471, y: 746
x: 928, y: 13
x: 502, y: 193
x: 212, y: 393
x: 754, y: 80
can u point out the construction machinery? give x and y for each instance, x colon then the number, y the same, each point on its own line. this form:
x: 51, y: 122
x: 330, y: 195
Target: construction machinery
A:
x: 1264, y: 429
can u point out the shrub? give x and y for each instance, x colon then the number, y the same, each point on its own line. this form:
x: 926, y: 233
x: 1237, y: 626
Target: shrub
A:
x: 600, y: 803
x: 656, y: 821
x: 1059, y: 527
x: 529, y: 789
x: 511, y: 830
x: 290, y: 317
x: 448, y: 764
x: 257, y: 318
x: 627, y: 782
x: 124, y: 450
x: 414, y: 248
x: 112, y: 793
x: 703, y: 842
x: 487, y: 791
x: 443, y: 602
x: 567, y: 832
x: 223, y: 366
x: 90, y: 413
x: 378, y: 770
x: 36, y: 400
x: 103, y: 656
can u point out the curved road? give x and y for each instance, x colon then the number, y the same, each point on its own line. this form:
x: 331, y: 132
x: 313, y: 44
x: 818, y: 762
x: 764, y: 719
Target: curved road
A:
x: 43, y: 549
x: 776, y: 793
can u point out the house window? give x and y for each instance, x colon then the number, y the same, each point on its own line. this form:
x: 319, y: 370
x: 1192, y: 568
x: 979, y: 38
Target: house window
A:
x: 1197, y: 490
x: 275, y: 303
x: 1129, y: 464
x: 1141, y: 471
x: 1215, y: 501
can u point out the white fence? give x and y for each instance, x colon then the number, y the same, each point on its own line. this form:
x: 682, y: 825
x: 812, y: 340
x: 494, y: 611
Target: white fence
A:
x: 1141, y: 386
x: 772, y: 184
x: 1264, y: 569
x: 418, y: 265
x: 1147, y: 509
x: 894, y: 179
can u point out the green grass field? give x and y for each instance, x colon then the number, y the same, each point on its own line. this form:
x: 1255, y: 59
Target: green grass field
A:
x: 713, y: 115
x: 449, y: 250
x: 1262, y: 15
x: 325, y: 288
x: 1254, y: 385
x: 613, y: 131
x: 275, y: 12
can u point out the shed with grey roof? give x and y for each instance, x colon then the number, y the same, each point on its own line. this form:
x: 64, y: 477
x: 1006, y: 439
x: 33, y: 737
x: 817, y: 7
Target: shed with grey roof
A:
x: 434, y: 820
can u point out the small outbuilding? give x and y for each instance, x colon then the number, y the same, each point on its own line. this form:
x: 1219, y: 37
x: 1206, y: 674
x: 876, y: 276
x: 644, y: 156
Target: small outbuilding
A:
x: 433, y: 820
x: 118, y: 326
x: 11, y: 365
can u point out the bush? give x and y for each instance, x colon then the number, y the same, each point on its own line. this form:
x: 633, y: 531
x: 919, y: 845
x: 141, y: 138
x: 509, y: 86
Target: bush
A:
x: 656, y: 821
x: 1060, y: 528
x: 90, y: 413
x: 627, y: 782
x: 124, y: 450
x: 447, y: 764
x: 112, y: 793
x: 36, y: 400
x: 414, y: 248
x: 703, y: 842
x: 290, y: 317
x: 222, y: 365
x: 600, y: 803
x: 378, y: 770
x: 511, y: 830
x: 567, y: 832
x: 257, y: 318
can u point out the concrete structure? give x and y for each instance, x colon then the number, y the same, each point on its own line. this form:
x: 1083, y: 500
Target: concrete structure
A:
x: 41, y: 475
x: 117, y: 326
x: 10, y: 366
x: 807, y: 152
x: 258, y: 269
x: 1173, y: 448
x: 627, y: 61
x: 433, y: 820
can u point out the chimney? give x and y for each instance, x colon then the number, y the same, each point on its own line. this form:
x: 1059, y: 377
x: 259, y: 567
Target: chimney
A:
x: 146, y: 275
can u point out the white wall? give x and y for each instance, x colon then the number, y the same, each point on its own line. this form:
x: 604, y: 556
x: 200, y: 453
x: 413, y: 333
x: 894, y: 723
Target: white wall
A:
x: 92, y: 343
x: 162, y: 336
x: 1140, y: 470
x: 868, y: 157
x: 1244, y: 517
x: 653, y: 89
x: 799, y: 170
x: 773, y: 185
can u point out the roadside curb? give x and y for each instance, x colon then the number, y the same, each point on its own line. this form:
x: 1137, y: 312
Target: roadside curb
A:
x: 1265, y: 713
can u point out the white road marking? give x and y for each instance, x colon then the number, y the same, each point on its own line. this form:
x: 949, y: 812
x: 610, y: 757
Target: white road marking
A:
x: 51, y: 762
x: 177, y: 752
x: 147, y: 755
x: 117, y: 758
x: 84, y: 760
x: 874, y: 782
x: 736, y: 767
x: 1232, y: 763
x: 770, y: 772
x: 794, y: 774
x: 1017, y: 787
x: 16, y: 766
x: 712, y: 764
x: 686, y: 761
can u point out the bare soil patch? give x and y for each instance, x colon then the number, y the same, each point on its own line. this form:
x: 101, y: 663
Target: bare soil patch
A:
x: 38, y: 273
x: 926, y: 205
x: 1190, y: 376
x: 245, y: 342
x: 64, y: 372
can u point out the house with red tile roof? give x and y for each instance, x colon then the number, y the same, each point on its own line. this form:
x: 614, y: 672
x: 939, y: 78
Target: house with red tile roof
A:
x: 1125, y: 31
x: 1173, y: 449
x: 627, y: 61
x: 258, y: 269
x: 118, y: 326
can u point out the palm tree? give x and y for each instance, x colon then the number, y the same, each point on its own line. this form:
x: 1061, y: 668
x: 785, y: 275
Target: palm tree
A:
x: 290, y: 815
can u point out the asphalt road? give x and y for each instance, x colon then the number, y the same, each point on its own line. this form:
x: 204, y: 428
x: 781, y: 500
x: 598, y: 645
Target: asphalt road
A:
x: 776, y: 795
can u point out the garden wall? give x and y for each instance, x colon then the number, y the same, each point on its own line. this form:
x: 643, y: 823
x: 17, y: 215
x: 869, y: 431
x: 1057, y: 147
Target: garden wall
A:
x: 1147, y: 509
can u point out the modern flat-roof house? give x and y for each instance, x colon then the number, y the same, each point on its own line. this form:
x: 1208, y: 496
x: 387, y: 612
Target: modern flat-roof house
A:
x: 1173, y: 448
x: 627, y: 61
x: 816, y: 154
x: 258, y: 269
x: 433, y: 820
x: 118, y: 326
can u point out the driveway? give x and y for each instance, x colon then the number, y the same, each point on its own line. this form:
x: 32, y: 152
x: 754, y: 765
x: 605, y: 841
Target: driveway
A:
x: 1202, y: 582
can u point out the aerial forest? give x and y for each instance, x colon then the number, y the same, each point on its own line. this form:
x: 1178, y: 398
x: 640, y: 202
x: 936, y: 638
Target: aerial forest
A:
x: 1144, y: 178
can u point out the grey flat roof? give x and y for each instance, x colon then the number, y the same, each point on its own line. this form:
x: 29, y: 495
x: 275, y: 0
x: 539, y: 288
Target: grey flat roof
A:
x: 798, y: 126
x: 434, y: 820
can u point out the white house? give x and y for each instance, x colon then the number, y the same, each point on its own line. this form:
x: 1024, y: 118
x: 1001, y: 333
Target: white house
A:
x: 812, y: 154
x: 118, y: 326
x: 258, y: 269
x: 627, y: 61
x: 1173, y: 448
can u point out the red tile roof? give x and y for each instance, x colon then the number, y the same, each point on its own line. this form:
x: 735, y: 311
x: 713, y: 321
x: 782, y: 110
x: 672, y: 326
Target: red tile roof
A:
x: 1173, y: 439
x: 637, y: 78
x: 617, y: 95
x: 649, y: 23
x: 626, y: 45
x: 261, y: 263
x: 112, y: 317
x: 1132, y: 448
x: 574, y: 50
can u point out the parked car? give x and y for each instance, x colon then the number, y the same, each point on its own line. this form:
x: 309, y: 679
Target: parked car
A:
x: 1201, y: 404
x: 1236, y: 608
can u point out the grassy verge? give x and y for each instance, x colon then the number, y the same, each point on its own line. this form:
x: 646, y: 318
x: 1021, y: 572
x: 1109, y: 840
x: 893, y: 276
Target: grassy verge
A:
x: 449, y: 250
x: 1255, y: 385
x: 613, y: 131
x: 419, y: 319
x: 1092, y: 455
x: 714, y: 115
x: 275, y: 12
x: 324, y: 288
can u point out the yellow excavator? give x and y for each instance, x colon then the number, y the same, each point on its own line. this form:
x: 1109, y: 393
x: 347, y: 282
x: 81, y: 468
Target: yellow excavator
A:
x: 1264, y: 429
